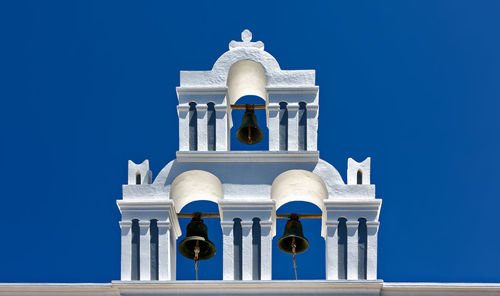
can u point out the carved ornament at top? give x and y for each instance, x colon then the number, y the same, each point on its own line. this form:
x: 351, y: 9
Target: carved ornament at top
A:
x: 246, y: 37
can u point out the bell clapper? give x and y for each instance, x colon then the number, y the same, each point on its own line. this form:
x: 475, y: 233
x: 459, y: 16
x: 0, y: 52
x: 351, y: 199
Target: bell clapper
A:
x: 294, y: 245
x: 196, y: 253
x: 249, y: 135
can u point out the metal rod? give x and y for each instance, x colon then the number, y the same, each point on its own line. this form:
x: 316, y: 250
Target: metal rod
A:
x: 244, y: 106
x: 279, y: 216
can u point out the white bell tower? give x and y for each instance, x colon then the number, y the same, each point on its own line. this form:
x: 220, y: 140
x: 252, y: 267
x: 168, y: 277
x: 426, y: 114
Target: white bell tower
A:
x: 205, y: 168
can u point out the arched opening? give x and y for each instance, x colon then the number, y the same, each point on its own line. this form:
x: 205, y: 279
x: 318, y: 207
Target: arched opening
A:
x: 302, y: 126
x: 359, y: 177
x: 238, y: 249
x: 283, y: 131
x: 210, y: 269
x: 193, y: 127
x: 342, y: 248
x: 311, y: 263
x: 135, y: 251
x: 138, y: 178
x: 237, y: 116
x: 362, y: 248
x: 211, y: 126
x: 153, y: 246
x: 256, y: 248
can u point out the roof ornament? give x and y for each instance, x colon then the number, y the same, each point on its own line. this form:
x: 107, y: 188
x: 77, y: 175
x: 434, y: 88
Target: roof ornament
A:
x: 246, y: 37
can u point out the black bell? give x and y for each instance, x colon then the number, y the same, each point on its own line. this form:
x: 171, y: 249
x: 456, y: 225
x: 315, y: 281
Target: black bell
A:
x: 196, y: 245
x: 293, y: 237
x: 249, y: 132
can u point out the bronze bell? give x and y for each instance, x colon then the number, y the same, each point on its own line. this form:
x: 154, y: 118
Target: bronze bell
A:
x: 249, y: 132
x: 196, y: 245
x: 293, y: 240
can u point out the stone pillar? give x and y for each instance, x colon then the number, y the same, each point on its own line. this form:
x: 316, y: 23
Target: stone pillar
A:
x: 246, y: 212
x: 227, y: 250
x: 332, y: 250
x: 183, y: 111
x: 221, y: 128
x: 144, y: 249
x: 266, y: 250
x: 126, y: 258
x: 202, y: 124
x: 166, y: 252
x: 293, y: 126
x: 247, y: 254
x: 273, y: 126
x: 371, y: 261
x: 312, y: 127
x: 352, y: 250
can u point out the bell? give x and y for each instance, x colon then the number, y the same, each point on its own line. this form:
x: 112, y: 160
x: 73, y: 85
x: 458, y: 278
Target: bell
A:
x: 196, y: 245
x: 249, y: 132
x: 293, y: 240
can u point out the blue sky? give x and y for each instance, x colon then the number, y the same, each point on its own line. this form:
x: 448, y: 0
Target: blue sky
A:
x: 87, y: 85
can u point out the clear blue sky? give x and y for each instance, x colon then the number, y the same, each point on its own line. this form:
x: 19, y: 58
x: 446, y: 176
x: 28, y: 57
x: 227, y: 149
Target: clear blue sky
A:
x: 87, y: 85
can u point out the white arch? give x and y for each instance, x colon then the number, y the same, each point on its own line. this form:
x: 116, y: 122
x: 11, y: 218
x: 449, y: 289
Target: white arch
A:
x: 195, y: 185
x: 246, y: 78
x: 299, y: 185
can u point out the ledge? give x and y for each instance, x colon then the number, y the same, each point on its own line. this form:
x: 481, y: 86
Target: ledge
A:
x: 247, y: 156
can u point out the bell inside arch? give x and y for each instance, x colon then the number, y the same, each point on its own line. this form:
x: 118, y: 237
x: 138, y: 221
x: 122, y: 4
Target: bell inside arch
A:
x: 293, y: 240
x: 249, y: 132
x: 196, y: 245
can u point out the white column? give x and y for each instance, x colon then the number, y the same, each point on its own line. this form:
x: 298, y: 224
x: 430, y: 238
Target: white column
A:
x: 352, y: 250
x: 183, y: 111
x: 227, y: 251
x: 202, y: 125
x: 293, y: 126
x: 221, y: 128
x: 273, y: 126
x: 371, y: 261
x: 312, y: 127
x: 144, y: 250
x: 166, y: 259
x: 332, y: 250
x: 126, y: 270
x: 247, y: 254
x: 266, y: 249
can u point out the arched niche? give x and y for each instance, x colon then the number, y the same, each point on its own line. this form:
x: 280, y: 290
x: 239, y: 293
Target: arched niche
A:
x: 299, y: 185
x: 315, y: 254
x: 208, y: 269
x: 195, y: 185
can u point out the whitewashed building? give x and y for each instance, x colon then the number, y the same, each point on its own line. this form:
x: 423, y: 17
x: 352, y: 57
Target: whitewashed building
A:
x: 206, y: 168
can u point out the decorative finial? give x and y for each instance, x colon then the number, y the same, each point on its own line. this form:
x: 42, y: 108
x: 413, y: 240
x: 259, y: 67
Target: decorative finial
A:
x: 246, y: 35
